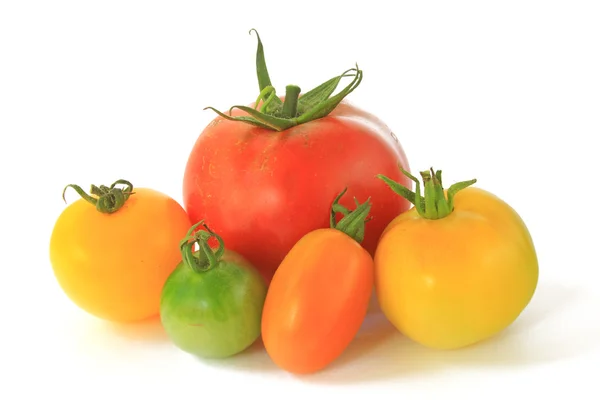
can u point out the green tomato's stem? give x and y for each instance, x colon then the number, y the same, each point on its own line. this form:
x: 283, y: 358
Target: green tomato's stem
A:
x: 106, y: 199
x: 434, y: 204
x: 206, y: 258
x: 353, y: 222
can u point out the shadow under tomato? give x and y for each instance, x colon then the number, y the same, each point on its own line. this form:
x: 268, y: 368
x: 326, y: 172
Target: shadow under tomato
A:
x: 253, y: 359
x: 148, y: 330
x: 552, y: 328
x: 256, y: 359
x: 380, y: 352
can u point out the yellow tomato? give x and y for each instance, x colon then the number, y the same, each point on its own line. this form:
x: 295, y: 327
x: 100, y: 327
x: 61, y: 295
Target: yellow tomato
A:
x: 453, y: 271
x: 112, y: 252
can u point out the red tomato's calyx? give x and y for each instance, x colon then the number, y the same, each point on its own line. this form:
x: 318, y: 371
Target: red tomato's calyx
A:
x: 107, y: 199
x: 270, y: 112
x: 434, y: 204
x: 353, y: 222
x: 206, y: 258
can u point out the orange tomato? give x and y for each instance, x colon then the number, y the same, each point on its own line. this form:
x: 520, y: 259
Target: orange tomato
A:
x: 319, y: 295
x: 111, y: 252
x: 453, y: 271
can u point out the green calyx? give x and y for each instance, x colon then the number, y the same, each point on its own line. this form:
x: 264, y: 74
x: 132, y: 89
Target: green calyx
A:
x: 206, y: 258
x: 353, y: 222
x: 106, y: 199
x: 434, y: 204
x: 270, y: 112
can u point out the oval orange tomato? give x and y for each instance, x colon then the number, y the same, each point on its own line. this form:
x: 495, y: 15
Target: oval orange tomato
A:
x: 453, y: 271
x: 111, y: 252
x: 319, y: 295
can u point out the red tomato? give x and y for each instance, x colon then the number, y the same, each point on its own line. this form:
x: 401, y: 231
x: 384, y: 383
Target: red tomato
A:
x: 262, y: 189
x: 318, y: 297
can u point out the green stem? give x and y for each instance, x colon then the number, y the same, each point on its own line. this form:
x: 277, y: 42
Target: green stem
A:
x: 430, y: 199
x: 268, y: 94
x: 106, y: 199
x: 433, y: 204
x: 290, y: 105
x: 262, y: 73
x: 206, y: 258
x: 441, y: 203
x: 353, y: 222
x: 295, y: 110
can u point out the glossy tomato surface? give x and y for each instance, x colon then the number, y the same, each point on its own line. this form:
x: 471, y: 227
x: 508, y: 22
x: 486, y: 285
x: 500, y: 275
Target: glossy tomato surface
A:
x: 263, y: 190
x: 214, y: 313
x: 317, y: 301
x: 115, y: 265
x: 455, y: 281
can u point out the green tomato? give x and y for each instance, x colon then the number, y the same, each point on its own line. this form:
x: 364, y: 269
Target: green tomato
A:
x: 211, y: 304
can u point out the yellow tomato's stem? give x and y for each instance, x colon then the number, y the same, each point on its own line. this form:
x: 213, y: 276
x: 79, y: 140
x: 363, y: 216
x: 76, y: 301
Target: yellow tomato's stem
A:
x: 433, y: 204
x: 106, y: 199
x: 206, y: 258
x: 353, y: 222
x: 452, y: 190
x: 441, y: 205
x: 430, y: 198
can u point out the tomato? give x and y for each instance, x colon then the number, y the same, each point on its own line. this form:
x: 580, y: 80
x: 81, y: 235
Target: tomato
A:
x: 211, y: 305
x: 319, y: 295
x: 264, y: 180
x: 112, y: 251
x: 454, y: 270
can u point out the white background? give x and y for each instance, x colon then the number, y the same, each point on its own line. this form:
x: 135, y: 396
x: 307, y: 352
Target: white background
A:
x: 505, y: 91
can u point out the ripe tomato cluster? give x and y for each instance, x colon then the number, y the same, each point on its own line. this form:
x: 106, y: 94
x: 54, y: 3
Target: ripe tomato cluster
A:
x: 295, y: 208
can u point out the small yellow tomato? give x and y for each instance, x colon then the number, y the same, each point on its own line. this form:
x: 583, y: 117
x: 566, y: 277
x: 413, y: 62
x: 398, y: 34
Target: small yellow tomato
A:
x: 457, y: 268
x: 112, y: 251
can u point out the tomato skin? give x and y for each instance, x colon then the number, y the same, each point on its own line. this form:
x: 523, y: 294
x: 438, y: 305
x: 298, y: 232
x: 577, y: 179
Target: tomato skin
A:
x: 216, y: 313
x: 263, y: 190
x: 455, y: 281
x: 317, y: 301
x: 114, y: 265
